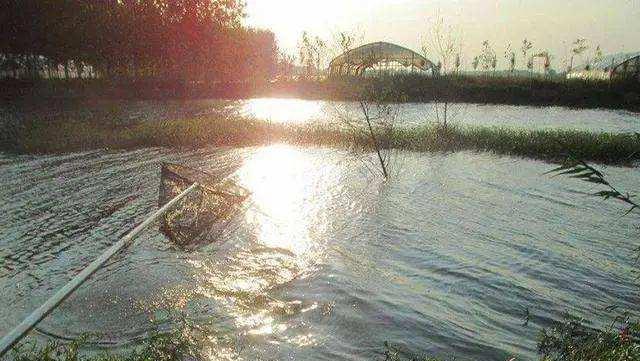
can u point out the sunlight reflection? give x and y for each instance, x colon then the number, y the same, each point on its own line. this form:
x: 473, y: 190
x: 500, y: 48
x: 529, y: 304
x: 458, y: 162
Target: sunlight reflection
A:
x: 286, y: 212
x: 280, y: 182
x: 283, y: 110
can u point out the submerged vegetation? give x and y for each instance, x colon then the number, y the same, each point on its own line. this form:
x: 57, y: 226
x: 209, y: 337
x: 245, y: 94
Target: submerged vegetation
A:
x: 60, y: 136
x: 161, y: 346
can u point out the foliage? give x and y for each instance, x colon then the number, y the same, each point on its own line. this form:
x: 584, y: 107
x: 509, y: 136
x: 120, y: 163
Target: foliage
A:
x: 573, y: 340
x: 312, y: 51
x: 178, y: 40
x: 578, y: 47
x: 587, y: 173
x: 526, y: 47
x: 488, y: 58
x: 510, y: 57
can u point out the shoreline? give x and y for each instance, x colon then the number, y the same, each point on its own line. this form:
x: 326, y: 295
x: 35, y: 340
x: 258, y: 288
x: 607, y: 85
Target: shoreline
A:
x: 534, y: 91
x: 60, y: 137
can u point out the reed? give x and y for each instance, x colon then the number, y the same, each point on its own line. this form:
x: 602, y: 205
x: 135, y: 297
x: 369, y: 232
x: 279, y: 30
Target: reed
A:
x: 61, y: 136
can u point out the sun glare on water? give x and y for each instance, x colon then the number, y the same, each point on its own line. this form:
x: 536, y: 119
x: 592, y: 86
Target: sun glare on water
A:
x: 278, y: 177
x: 283, y: 110
x: 285, y: 217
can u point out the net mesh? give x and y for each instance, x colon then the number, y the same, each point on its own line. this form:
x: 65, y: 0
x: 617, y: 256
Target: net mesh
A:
x: 202, y: 216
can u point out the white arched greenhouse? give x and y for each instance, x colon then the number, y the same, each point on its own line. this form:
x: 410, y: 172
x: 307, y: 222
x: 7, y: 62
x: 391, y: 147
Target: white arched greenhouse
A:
x: 380, y: 56
x: 615, y: 66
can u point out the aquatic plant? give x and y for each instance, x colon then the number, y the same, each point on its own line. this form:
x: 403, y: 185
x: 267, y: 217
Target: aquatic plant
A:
x: 67, y: 135
x: 572, y: 339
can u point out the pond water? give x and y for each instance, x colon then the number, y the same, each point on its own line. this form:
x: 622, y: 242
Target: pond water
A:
x: 305, y: 111
x: 416, y: 114
x: 329, y: 261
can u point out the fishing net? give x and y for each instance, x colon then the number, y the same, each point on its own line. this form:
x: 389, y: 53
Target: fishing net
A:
x: 202, y: 216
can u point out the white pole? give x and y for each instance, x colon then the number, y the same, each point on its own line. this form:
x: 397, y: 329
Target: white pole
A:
x: 36, y: 316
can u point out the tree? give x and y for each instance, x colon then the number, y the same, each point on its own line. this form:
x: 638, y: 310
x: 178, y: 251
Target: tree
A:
x: 598, y: 55
x: 578, y: 47
x: 442, y: 43
x: 457, y: 63
x: 475, y: 62
x: 286, y: 65
x: 526, y: 47
x: 183, y: 40
x: 373, y: 130
x: 488, y: 57
x: 312, y: 51
x: 510, y: 57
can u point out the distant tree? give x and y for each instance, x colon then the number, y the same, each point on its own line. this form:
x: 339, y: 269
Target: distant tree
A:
x: 547, y: 64
x: 441, y: 42
x: 475, y: 62
x: 312, y: 51
x: 578, y: 48
x: 510, y: 57
x: 346, y: 41
x: 182, y: 40
x: 457, y: 63
x: 307, y: 51
x: 598, y: 55
x: 526, y: 47
x: 488, y: 57
x: 286, y: 65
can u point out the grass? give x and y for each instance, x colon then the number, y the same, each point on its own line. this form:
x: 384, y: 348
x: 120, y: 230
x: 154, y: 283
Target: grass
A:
x: 61, y: 136
x: 45, y: 137
x: 479, y: 88
x: 472, y: 88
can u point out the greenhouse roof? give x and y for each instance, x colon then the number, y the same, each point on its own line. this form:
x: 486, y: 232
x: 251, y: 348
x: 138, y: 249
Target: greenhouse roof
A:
x: 608, y: 62
x: 367, y: 55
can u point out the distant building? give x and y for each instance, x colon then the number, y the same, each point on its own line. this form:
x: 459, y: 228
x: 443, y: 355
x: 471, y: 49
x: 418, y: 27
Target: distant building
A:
x: 615, y: 66
x: 379, y: 56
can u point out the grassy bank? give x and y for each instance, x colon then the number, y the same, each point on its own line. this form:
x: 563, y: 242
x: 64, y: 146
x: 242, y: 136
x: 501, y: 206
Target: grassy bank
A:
x: 535, y: 90
x: 60, y: 136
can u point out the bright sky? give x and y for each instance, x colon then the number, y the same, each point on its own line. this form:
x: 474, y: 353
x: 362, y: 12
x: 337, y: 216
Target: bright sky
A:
x: 550, y: 24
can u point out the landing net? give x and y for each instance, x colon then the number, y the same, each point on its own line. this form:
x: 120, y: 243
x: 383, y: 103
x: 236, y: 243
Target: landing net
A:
x: 201, y: 217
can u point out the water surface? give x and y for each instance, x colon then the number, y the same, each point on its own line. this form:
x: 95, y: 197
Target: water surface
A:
x: 300, y: 111
x: 328, y: 261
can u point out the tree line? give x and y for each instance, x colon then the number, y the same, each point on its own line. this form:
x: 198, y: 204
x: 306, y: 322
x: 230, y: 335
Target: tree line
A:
x: 181, y: 40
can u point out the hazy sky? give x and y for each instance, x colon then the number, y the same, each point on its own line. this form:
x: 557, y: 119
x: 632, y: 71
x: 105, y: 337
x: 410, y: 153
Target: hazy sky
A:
x: 549, y: 24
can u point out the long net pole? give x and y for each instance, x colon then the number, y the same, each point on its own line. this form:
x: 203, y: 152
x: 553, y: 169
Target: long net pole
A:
x: 41, y: 312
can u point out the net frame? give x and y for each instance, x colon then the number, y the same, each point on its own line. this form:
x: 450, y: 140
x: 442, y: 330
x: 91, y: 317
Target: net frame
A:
x: 202, y: 217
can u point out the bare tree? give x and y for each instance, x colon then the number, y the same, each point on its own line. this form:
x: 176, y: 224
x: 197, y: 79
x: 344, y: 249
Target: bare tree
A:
x: 442, y: 42
x: 373, y: 129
